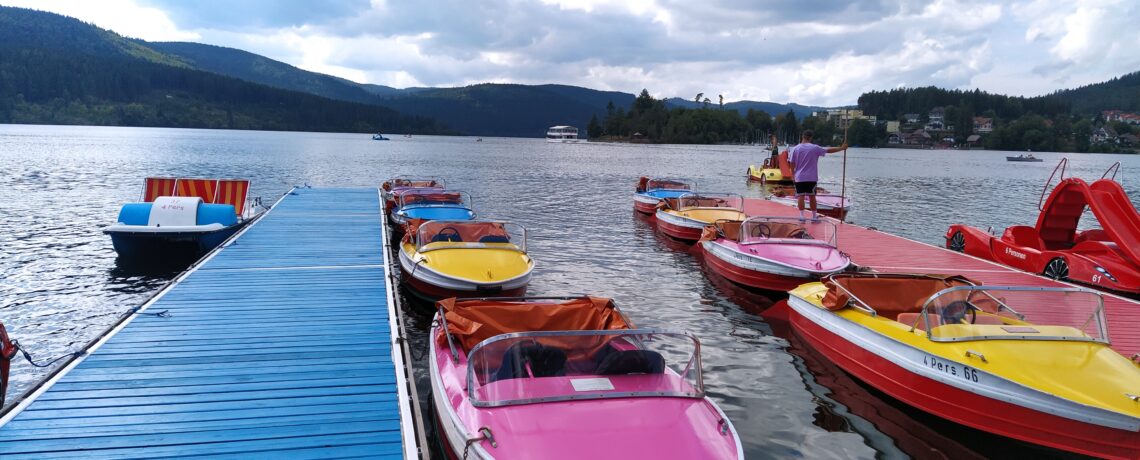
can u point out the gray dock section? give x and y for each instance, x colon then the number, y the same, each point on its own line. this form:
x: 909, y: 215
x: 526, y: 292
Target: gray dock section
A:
x: 278, y: 345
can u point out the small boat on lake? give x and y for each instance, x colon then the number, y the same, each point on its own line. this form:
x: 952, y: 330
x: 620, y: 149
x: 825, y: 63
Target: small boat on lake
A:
x: 569, y: 378
x: 650, y: 192
x: 773, y: 253
x: 393, y: 187
x: 449, y: 258
x: 685, y: 217
x: 430, y: 204
x: 965, y: 353
x: 772, y: 172
x: 179, y: 218
x: 380, y: 137
x: 563, y: 135
x: 1029, y: 158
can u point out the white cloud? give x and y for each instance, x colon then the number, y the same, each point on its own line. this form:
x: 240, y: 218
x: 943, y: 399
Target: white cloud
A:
x: 122, y: 16
x: 816, y: 52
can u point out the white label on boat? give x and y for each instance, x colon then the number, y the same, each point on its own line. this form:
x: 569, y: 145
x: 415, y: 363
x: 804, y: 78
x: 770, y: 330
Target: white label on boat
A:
x: 600, y: 384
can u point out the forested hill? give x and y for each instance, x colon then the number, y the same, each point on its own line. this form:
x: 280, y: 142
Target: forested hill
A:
x: 1121, y: 93
x: 58, y: 70
x: 893, y: 104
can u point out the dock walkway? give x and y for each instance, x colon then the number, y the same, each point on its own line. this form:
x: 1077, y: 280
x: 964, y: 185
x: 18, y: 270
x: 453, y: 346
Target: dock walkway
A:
x: 278, y: 345
x: 885, y: 252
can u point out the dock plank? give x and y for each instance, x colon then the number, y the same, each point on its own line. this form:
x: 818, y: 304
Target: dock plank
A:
x: 277, y: 345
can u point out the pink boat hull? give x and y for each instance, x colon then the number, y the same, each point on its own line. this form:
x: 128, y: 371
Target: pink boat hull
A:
x: 772, y: 266
x: 618, y: 428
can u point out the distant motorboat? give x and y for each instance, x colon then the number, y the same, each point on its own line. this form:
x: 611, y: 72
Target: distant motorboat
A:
x: 379, y: 137
x: 563, y: 134
x: 1029, y: 158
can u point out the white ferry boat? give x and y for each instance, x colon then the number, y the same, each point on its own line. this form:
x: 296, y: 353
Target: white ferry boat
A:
x: 565, y: 134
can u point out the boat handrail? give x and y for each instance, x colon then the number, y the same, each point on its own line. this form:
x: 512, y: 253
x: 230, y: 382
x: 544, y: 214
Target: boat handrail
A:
x: 447, y: 332
x: 1097, y: 313
x: 1114, y: 169
x: 1062, y: 165
x: 833, y: 236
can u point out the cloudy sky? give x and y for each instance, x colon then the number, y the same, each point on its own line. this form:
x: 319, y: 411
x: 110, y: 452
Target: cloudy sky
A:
x: 818, y: 52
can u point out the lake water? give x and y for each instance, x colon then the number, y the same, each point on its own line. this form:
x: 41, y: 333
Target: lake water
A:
x: 60, y: 286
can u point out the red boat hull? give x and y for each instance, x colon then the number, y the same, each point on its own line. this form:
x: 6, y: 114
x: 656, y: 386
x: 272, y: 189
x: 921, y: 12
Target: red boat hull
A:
x: 644, y: 208
x: 679, y: 232
x: 751, y: 278
x: 964, y: 407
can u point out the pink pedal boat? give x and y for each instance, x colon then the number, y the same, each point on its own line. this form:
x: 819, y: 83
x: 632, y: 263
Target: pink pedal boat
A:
x: 568, y: 378
x: 773, y: 253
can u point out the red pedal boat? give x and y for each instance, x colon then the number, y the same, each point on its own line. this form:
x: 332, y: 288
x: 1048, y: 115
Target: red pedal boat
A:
x: 1106, y: 257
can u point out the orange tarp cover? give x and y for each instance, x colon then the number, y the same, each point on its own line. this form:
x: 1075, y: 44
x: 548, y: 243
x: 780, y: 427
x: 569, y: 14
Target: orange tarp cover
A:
x: 434, y: 196
x: 469, y: 232
x: 158, y: 186
x: 473, y: 321
x: 233, y: 191
x: 889, y: 295
x: 201, y: 188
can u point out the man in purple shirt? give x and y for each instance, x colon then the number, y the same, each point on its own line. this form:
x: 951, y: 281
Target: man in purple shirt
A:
x: 804, y: 160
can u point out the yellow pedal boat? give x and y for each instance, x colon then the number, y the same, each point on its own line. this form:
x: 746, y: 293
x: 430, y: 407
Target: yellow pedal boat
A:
x: 441, y: 259
x: 686, y: 216
x: 1030, y: 363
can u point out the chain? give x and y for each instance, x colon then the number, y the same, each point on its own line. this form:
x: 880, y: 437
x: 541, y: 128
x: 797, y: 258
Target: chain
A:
x: 484, y: 434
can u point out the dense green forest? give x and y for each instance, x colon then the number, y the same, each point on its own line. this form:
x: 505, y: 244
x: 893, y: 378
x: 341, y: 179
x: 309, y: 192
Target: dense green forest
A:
x: 1121, y: 93
x: 56, y: 70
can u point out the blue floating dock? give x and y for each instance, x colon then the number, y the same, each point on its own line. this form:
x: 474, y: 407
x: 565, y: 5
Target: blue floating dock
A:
x: 280, y: 344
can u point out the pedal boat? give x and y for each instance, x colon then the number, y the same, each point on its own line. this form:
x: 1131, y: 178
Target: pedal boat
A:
x: 965, y: 353
x: 430, y: 204
x: 568, y: 378
x: 828, y: 204
x: 393, y: 187
x: 768, y: 173
x: 451, y: 258
x: 685, y: 217
x: 650, y: 192
x: 181, y: 218
x: 773, y: 253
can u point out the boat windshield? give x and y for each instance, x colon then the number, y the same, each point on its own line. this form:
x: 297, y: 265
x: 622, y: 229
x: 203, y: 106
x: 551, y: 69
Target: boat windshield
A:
x: 765, y: 229
x: 441, y: 234
x: 546, y: 366
x: 1015, y: 313
x: 410, y: 181
x: 420, y: 197
x: 710, y: 200
x: 668, y: 184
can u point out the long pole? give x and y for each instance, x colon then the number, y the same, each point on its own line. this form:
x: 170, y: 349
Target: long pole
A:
x: 843, y: 182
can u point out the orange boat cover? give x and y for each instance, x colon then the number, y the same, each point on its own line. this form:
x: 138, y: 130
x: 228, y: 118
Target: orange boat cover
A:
x: 473, y: 321
x: 642, y: 182
x: 892, y: 294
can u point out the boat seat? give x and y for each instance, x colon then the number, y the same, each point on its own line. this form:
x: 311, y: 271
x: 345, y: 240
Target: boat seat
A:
x: 1024, y: 235
x: 449, y: 237
x: 915, y: 319
x: 620, y: 362
x: 527, y: 359
x: 495, y: 239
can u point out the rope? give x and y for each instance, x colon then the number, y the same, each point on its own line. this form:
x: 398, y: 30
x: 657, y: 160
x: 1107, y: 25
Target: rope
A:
x: 161, y: 314
x: 28, y: 356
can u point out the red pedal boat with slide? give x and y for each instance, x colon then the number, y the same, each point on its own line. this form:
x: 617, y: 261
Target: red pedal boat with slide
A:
x: 1107, y: 257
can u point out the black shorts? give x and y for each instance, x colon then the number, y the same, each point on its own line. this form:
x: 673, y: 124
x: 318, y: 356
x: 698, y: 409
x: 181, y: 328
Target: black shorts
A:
x: 805, y: 188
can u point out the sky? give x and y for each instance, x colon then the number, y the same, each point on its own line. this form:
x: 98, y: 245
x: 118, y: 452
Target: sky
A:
x: 812, y: 52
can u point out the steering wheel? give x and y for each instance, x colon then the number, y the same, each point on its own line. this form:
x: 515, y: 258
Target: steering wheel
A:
x: 955, y: 312
x: 760, y: 230
x: 447, y: 232
x: 800, y: 234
